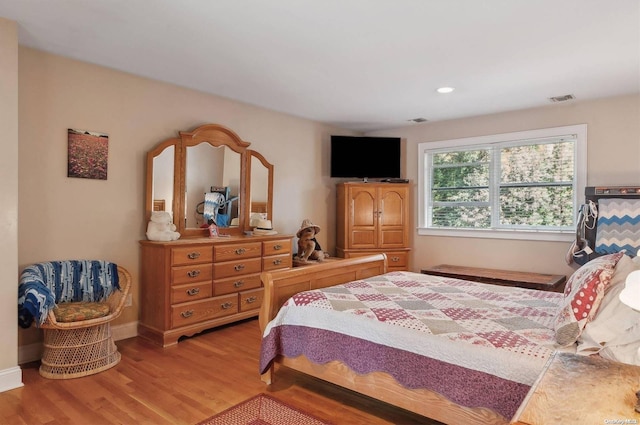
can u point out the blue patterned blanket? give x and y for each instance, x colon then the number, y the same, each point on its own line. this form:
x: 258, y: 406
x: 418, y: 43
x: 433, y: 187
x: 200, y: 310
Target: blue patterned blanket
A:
x: 43, y: 285
x: 618, y: 226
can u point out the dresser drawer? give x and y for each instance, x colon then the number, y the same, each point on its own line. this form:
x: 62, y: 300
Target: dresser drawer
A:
x: 227, y: 252
x: 190, y: 292
x: 198, y: 311
x: 191, y: 255
x: 235, y: 284
x: 237, y: 268
x: 251, y: 300
x: 280, y: 246
x: 275, y: 262
x: 191, y: 273
x: 397, y: 259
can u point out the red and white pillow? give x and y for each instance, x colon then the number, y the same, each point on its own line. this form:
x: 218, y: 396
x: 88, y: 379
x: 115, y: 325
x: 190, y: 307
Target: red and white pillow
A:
x: 582, y: 296
x: 615, y: 331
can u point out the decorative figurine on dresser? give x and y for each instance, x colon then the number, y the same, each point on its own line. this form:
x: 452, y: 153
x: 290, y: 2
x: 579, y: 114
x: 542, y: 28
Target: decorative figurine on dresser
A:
x: 202, y: 281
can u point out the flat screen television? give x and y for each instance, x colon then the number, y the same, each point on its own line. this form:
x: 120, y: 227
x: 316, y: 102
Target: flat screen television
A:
x: 365, y: 157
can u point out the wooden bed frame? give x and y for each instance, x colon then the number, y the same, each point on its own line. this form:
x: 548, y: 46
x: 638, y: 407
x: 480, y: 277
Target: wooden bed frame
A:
x: 280, y: 285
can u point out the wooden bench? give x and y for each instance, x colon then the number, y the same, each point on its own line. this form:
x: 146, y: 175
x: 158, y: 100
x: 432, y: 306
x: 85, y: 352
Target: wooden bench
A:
x: 544, y: 282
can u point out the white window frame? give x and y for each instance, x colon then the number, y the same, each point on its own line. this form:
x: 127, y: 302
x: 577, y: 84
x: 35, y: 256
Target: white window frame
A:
x: 580, y: 181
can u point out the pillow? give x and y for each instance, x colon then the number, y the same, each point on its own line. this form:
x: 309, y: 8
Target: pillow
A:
x: 80, y: 311
x: 614, y: 333
x: 582, y: 296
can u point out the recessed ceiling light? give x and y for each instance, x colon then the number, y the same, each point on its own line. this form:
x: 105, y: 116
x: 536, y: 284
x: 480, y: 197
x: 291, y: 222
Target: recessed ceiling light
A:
x: 445, y: 90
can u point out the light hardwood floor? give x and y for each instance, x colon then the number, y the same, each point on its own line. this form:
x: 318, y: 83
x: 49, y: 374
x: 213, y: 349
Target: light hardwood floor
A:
x: 184, y: 384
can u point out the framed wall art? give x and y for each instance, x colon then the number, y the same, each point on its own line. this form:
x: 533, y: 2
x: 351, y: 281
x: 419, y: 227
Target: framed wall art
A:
x: 88, y: 153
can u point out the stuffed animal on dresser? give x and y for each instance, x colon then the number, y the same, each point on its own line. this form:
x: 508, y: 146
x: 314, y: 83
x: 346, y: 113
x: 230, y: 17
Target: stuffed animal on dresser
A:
x: 161, y: 227
x: 308, y: 246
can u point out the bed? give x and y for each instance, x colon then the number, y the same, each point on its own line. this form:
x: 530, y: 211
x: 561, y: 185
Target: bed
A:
x: 447, y: 363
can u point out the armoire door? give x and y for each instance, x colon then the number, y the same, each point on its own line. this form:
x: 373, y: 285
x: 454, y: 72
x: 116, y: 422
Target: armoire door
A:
x: 363, y: 212
x: 392, y: 216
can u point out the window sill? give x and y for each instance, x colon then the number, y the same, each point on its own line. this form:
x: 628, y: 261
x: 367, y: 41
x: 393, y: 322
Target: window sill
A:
x: 566, y: 236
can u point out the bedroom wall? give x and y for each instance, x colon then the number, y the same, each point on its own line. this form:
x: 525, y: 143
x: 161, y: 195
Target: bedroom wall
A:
x: 63, y: 217
x: 10, y: 374
x: 613, y: 139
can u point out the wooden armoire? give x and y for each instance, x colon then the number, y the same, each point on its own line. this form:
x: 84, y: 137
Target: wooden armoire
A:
x: 374, y: 218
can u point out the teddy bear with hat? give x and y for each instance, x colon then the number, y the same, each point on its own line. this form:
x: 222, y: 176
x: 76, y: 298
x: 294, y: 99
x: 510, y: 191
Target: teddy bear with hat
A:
x: 308, y: 246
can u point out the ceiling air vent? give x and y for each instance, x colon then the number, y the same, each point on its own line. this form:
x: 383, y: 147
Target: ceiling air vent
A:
x: 418, y: 120
x: 564, y: 98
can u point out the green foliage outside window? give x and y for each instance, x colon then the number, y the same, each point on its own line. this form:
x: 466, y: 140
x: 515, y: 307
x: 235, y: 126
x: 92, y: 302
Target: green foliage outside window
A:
x: 530, y: 184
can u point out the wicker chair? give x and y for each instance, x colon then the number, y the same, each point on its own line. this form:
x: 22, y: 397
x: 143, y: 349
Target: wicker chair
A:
x: 77, y: 348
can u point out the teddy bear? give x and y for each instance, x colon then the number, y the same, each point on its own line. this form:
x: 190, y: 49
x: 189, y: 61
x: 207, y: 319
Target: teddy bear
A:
x: 308, y: 246
x: 161, y: 227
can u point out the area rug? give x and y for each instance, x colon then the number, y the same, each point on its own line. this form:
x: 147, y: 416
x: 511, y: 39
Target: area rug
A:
x: 263, y: 410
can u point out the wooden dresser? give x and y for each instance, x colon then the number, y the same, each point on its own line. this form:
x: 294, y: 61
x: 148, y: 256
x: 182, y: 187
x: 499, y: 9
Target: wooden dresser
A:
x: 189, y: 285
x: 374, y: 218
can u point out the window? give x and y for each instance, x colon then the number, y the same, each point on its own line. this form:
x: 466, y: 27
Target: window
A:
x: 521, y: 185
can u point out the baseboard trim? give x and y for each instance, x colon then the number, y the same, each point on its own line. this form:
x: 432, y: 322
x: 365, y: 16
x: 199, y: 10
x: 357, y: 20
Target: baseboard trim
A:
x: 124, y: 331
x: 33, y: 352
x: 29, y: 353
x: 10, y: 379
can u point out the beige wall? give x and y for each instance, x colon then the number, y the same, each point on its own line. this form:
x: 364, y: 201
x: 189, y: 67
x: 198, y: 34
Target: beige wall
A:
x: 613, y: 139
x: 11, y: 374
x: 62, y: 218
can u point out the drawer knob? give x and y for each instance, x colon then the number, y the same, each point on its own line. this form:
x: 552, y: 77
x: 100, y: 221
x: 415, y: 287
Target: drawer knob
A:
x: 238, y: 283
x: 193, y: 255
x: 193, y: 291
x: 240, y: 251
x: 186, y: 314
x: 277, y: 247
x: 251, y: 300
x: 226, y: 306
x: 193, y: 273
x: 277, y: 262
x: 238, y: 267
x: 395, y: 259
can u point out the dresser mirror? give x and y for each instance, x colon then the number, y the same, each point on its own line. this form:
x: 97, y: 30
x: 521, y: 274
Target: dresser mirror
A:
x: 261, y: 188
x: 206, y: 174
x: 161, y: 176
x: 212, y: 186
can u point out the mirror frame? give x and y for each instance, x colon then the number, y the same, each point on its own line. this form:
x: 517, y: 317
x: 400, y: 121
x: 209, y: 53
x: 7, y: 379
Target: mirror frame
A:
x: 269, y: 166
x: 216, y: 135
x: 151, y: 155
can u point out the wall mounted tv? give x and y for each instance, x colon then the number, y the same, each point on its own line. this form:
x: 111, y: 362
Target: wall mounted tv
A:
x: 365, y: 157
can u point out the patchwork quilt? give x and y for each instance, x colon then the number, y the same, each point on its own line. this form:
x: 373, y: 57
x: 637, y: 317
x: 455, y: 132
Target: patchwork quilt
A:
x: 477, y: 344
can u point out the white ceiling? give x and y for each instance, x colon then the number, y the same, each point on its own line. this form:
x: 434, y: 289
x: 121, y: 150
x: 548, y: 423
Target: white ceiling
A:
x: 358, y: 64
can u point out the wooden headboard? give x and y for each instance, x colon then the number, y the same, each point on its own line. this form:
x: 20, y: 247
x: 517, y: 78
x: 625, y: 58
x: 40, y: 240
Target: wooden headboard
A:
x: 279, y: 285
x: 594, y: 194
